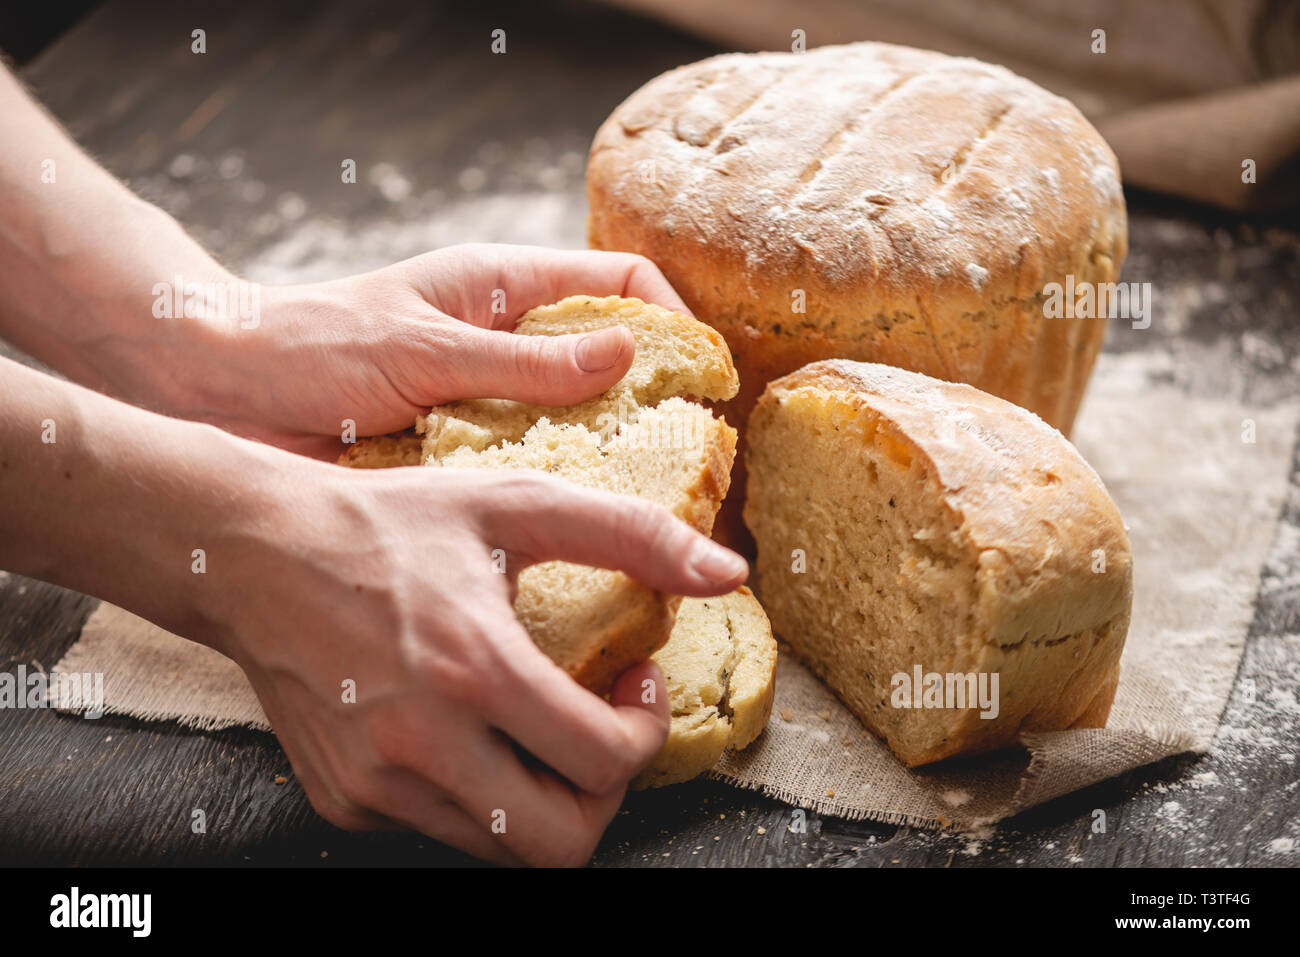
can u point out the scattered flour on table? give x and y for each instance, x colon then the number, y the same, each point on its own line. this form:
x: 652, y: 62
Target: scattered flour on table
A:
x: 320, y: 249
x: 1173, y: 814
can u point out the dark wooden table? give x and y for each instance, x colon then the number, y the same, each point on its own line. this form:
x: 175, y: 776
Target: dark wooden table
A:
x: 244, y: 145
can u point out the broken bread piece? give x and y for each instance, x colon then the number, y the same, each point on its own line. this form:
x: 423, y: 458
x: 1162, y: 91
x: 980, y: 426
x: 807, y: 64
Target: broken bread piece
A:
x: 592, y: 622
x: 644, y: 436
x: 720, y: 669
x: 944, y: 560
x: 675, y: 356
x: 384, y: 451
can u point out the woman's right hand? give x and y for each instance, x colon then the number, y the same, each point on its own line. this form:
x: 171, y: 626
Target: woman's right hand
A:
x: 383, y: 581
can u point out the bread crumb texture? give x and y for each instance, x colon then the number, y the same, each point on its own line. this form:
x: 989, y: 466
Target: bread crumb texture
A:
x: 720, y: 669
x: 902, y: 522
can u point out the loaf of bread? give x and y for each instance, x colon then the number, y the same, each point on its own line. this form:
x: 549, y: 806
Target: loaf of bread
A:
x: 912, y: 531
x: 720, y: 669
x: 642, y: 437
x: 870, y: 202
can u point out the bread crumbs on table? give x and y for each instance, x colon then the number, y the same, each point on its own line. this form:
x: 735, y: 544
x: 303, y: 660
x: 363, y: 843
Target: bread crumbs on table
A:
x: 762, y: 830
x: 787, y: 714
x: 824, y: 715
x: 281, y: 779
x: 830, y: 792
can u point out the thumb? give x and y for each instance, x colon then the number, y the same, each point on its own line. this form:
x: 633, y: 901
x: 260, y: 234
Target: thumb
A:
x: 545, y: 370
x: 642, y: 689
x: 641, y: 698
x: 540, y: 518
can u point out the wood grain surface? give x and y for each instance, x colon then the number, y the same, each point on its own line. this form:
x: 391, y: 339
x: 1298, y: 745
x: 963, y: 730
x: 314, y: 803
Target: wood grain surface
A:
x: 244, y: 145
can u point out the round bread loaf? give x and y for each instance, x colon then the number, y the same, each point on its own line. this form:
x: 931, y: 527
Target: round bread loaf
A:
x: 870, y: 202
x: 919, y: 539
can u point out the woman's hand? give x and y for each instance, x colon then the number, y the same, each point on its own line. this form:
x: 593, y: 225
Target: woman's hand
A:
x: 383, y: 582
x: 320, y: 580
x: 381, y: 348
x: 93, y: 269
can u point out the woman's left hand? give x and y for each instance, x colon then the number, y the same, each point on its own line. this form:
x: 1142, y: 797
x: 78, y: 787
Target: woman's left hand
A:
x: 378, y: 349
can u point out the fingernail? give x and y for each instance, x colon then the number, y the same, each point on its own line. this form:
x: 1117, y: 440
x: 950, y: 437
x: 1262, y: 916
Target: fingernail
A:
x: 716, y: 563
x: 597, y: 351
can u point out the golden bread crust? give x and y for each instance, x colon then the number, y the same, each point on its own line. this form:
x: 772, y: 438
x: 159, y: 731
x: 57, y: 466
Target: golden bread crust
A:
x: 722, y: 699
x: 870, y: 202
x: 1013, y: 548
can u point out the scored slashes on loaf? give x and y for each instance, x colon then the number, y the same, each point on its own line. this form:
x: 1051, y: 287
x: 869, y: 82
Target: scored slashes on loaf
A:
x: 908, y: 527
x: 870, y: 202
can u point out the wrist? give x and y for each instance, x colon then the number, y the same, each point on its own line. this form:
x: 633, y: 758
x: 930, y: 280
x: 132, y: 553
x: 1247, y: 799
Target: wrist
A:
x: 235, y: 531
x: 173, y: 321
x: 172, y: 519
x: 132, y: 306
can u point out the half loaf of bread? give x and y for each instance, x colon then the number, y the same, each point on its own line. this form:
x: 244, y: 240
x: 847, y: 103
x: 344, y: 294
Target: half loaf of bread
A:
x: 643, y: 437
x: 720, y: 669
x: 943, y: 559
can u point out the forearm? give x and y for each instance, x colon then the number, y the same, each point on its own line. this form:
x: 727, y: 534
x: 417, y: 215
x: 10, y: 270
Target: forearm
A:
x: 84, y: 261
x: 111, y: 500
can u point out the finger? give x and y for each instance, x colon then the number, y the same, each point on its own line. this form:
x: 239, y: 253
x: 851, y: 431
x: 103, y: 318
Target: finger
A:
x: 538, y: 816
x: 546, y: 370
x: 640, y: 696
x: 306, y: 757
x: 538, y: 518
x: 599, y: 746
x: 468, y: 281
x: 573, y: 272
x: 408, y: 799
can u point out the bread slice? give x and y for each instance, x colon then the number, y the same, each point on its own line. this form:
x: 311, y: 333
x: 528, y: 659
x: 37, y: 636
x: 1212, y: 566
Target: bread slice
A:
x: 642, y: 437
x: 720, y: 669
x: 908, y: 527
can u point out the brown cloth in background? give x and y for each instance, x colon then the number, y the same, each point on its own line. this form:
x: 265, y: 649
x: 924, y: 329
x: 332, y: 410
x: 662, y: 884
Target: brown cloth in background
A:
x: 1185, y: 91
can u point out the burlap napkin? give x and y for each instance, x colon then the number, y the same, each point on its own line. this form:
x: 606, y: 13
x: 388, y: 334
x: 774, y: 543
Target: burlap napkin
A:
x: 1201, y: 505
